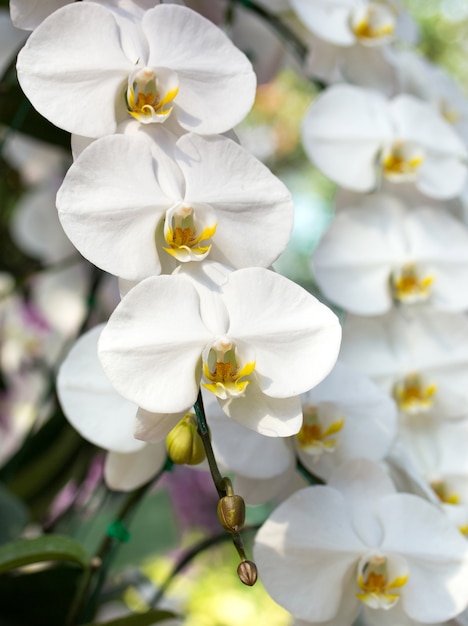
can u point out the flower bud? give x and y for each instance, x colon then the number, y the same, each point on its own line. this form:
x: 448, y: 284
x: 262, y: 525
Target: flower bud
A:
x: 231, y: 512
x: 247, y: 572
x: 183, y: 444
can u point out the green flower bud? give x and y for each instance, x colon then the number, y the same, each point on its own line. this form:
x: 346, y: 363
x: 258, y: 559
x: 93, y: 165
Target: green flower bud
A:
x: 231, y: 509
x: 183, y: 444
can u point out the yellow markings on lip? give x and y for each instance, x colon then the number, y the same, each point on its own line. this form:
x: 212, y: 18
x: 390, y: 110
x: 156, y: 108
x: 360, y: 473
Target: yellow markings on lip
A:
x: 442, y: 491
x: 314, y: 437
x: 408, y: 287
x: 377, y: 593
x: 180, y: 234
x: 373, y: 24
x: 147, y: 99
x: 412, y: 395
x: 226, y: 378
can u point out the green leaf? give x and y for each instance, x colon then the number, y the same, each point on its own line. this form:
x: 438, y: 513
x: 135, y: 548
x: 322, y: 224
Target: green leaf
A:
x: 46, y: 548
x: 140, y: 619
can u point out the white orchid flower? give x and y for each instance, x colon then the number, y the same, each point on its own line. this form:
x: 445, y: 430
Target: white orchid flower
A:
x: 255, y: 339
x: 353, y: 21
x: 377, y: 253
x: 355, y: 136
x: 419, y: 356
x: 88, y: 67
x: 136, y: 207
x: 104, y: 418
x: 326, y: 553
x: 346, y: 416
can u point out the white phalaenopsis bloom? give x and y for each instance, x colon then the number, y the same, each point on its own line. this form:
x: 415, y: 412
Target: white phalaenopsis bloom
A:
x: 346, y: 416
x: 418, y: 355
x: 102, y: 416
x: 255, y: 339
x: 353, y: 21
x: 88, y: 67
x: 355, y: 136
x: 378, y: 253
x: 328, y: 552
x: 136, y: 206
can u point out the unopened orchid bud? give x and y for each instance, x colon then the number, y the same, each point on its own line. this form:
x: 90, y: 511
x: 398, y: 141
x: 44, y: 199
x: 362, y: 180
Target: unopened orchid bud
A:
x: 184, y: 444
x: 231, y: 509
x: 247, y: 572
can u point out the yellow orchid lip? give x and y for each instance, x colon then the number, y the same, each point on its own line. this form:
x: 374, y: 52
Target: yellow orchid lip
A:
x: 184, y: 242
x: 317, y: 434
x: 408, y: 286
x: 150, y: 95
x: 376, y: 591
x: 412, y: 395
x: 373, y: 24
x: 227, y: 379
x: 402, y: 161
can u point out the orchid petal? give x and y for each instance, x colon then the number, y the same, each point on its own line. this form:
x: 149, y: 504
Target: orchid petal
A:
x: 75, y: 56
x: 249, y: 201
x: 309, y: 537
x: 217, y: 83
x: 296, y: 338
x: 151, y: 347
x: 89, y: 401
x: 111, y: 203
x: 125, y: 472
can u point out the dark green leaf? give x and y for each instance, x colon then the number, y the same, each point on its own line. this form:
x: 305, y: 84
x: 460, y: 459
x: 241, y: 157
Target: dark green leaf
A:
x: 46, y: 548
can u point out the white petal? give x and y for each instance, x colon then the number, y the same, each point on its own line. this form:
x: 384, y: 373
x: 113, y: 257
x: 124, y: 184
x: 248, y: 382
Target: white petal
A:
x: 125, y: 472
x: 436, y: 588
x: 309, y: 537
x: 151, y: 347
x: 217, y: 83
x: 342, y: 134
x: 328, y: 20
x: 296, y: 338
x: 111, y: 203
x: 73, y: 70
x: 28, y: 14
x: 253, y: 207
x: 272, y: 417
x: 154, y: 427
x: 89, y: 401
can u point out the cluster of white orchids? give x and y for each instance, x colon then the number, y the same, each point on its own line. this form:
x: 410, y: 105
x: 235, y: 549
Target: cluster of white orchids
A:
x: 211, y: 351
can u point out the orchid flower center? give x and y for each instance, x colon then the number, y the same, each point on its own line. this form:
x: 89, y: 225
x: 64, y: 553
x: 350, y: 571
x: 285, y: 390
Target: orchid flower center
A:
x: 408, y: 286
x: 228, y: 376
x: 401, y: 161
x: 377, y: 583
x: 185, y: 230
x: 319, y: 428
x: 444, y: 493
x: 413, y: 395
x: 373, y: 24
x: 150, y: 94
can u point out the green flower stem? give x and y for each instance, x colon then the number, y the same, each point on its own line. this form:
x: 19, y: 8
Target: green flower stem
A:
x: 294, y: 43
x: 87, y: 595
x: 222, y: 483
x: 204, y: 433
